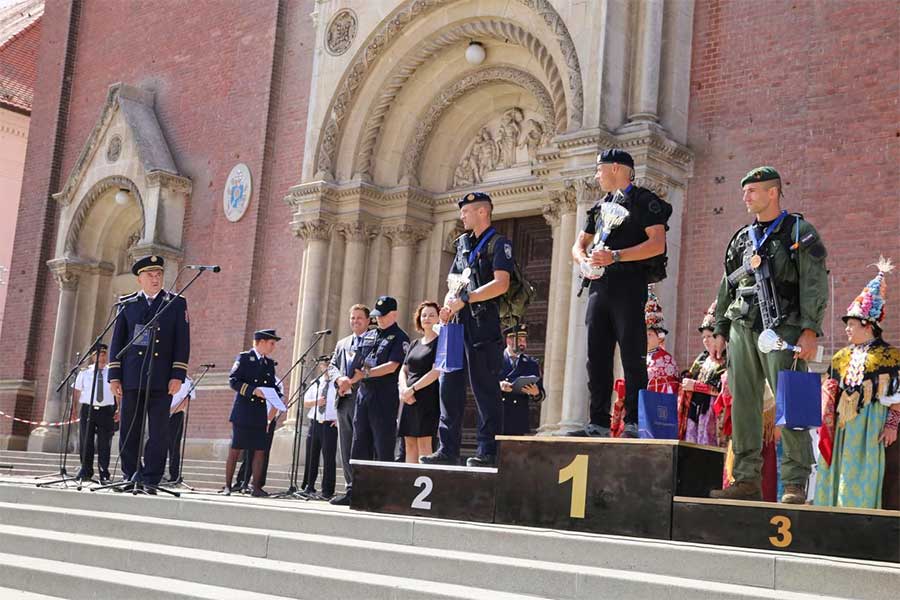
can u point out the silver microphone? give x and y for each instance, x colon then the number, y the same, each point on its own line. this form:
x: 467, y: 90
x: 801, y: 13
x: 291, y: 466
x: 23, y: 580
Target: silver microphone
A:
x: 213, y: 268
x: 323, y: 332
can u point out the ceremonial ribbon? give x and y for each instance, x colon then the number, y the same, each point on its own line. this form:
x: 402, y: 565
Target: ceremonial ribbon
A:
x: 474, y: 254
x: 758, y: 243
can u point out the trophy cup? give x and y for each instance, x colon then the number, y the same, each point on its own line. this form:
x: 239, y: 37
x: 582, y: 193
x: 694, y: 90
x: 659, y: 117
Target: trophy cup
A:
x: 611, y: 216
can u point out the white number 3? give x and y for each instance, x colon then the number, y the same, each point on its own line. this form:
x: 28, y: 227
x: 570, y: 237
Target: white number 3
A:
x: 427, y: 485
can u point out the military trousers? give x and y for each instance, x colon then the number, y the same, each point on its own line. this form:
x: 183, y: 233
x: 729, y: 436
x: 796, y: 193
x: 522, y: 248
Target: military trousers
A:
x: 150, y: 469
x: 748, y: 371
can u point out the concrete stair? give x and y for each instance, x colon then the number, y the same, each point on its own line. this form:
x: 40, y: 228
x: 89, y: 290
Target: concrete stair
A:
x: 202, y: 474
x: 63, y: 542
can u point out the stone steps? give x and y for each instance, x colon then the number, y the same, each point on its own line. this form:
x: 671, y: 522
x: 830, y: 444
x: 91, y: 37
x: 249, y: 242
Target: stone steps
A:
x: 287, y: 548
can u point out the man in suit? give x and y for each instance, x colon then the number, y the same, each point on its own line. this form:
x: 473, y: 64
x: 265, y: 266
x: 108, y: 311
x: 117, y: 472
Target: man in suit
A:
x: 344, y: 353
x: 252, y: 370
x: 150, y: 372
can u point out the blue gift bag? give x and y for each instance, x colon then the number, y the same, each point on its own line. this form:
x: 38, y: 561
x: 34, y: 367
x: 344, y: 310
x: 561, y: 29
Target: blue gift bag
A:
x: 450, y: 348
x: 657, y: 415
x: 798, y: 401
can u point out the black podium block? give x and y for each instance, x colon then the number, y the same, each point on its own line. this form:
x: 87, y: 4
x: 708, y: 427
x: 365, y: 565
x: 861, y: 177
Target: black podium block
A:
x: 615, y: 486
x: 444, y: 492
x: 846, y: 532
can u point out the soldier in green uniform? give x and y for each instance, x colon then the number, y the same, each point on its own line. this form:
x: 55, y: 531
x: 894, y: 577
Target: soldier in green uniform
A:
x: 775, y: 278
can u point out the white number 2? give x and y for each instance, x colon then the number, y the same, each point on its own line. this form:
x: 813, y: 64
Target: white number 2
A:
x: 427, y: 485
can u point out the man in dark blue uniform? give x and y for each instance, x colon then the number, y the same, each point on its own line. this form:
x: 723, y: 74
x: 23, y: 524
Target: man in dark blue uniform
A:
x: 150, y: 371
x: 376, y: 366
x: 515, y: 404
x: 249, y: 418
x: 633, y: 255
x: 484, y: 259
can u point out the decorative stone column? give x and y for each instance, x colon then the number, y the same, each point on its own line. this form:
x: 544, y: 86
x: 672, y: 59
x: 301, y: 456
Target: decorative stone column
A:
x: 404, y: 239
x: 645, y: 96
x: 312, y: 288
x: 47, y: 439
x: 357, y: 236
x: 561, y: 216
x: 576, y: 400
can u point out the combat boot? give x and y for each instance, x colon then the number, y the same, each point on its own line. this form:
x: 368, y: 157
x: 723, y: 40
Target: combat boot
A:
x: 740, y: 490
x: 793, y: 494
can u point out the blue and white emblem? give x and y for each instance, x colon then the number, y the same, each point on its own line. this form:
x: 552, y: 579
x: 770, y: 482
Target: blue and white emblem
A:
x: 238, y: 189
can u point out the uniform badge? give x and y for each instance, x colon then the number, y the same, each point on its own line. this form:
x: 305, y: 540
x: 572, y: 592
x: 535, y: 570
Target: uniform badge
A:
x: 655, y: 207
x: 187, y: 319
x: 252, y: 359
x: 390, y: 337
x: 405, y: 347
x: 235, y: 366
x: 507, y: 248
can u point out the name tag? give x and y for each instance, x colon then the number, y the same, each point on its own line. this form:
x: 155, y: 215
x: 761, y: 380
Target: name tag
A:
x: 144, y: 339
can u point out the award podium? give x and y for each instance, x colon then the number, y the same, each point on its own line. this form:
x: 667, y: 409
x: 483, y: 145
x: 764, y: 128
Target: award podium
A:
x: 632, y: 487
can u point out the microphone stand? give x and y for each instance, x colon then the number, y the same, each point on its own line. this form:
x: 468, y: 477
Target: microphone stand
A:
x: 291, y: 492
x: 64, y: 477
x: 135, y: 481
x: 187, y: 414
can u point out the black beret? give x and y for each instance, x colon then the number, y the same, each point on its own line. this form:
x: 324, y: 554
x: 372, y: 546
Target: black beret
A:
x: 148, y: 263
x: 474, y: 197
x: 265, y: 334
x: 614, y: 155
x: 383, y: 306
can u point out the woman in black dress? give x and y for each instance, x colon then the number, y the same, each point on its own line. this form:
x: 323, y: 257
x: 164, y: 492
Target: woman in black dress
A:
x: 419, y: 387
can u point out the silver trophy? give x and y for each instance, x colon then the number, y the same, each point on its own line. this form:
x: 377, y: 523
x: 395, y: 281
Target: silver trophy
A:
x: 769, y: 341
x: 611, y: 216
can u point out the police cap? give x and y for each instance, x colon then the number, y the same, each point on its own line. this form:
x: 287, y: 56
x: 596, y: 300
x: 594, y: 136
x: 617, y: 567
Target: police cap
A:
x: 265, y: 334
x: 383, y: 306
x: 148, y: 263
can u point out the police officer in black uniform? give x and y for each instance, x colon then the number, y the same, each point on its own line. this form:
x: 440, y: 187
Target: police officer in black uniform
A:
x: 615, y: 311
x: 169, y: 342
x: 485, y: 258
x: 376, y: 366
x: 515, y: 405
x: 250, y: 412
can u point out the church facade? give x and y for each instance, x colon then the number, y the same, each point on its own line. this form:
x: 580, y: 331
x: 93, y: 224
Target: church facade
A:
x: 316, y: 149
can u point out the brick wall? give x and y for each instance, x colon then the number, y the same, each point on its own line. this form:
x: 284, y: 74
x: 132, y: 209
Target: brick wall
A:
x: 224, y: 94
x: 812, y: 89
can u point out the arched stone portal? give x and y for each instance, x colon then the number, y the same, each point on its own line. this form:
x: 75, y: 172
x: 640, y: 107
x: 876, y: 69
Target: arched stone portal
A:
x: 401, y: 124
x: 101, y: 230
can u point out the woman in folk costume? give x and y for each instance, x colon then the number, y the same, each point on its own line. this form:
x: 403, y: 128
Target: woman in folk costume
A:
x: 861, y: 410
x: 696, y: 417
x: 662, y: 372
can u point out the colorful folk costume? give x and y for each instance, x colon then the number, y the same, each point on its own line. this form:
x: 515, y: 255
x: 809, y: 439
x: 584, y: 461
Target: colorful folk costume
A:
x: 662, y: 372
x: 861, y: 400
x: 696, y: 418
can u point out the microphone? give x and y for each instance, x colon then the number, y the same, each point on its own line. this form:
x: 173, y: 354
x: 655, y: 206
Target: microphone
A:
x: 323, y: 332
x: 209, y: 366
x: 213, y: 268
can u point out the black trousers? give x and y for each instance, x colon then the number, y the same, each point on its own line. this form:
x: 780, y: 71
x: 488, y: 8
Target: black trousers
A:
x: 615, y: 314
x: 321, y: 440
x: 101, y: 427
x: 157, y: 447
x: 374, y: 425
x: 246, y: 470
x: 176, y: 431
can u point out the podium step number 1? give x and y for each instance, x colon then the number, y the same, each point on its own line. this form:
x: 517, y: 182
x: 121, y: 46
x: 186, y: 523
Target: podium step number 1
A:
x: 577, y: 472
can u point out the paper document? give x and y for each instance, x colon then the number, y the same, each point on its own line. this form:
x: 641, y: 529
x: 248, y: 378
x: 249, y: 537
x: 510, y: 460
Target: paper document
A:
x: 273, y: 400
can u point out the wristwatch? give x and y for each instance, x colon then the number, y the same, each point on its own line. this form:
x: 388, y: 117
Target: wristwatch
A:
x: 464, y: 296
x: 616, y: 256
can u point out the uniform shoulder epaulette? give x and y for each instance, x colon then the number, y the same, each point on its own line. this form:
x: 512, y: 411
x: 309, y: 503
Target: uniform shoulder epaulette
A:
x: 128, y: 296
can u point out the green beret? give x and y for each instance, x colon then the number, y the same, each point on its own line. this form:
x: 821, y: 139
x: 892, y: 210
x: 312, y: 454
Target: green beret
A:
x: 760, y: 174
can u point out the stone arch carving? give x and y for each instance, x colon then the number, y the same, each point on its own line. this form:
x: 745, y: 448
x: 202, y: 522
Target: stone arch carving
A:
x: 462, y: 86
x: 494, y: 28
x: 387, y: 33
x: 90, y: 199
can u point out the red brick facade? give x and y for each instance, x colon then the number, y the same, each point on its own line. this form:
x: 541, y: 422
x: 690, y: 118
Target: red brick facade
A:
x: 811, y: 88
x: 231, y: 81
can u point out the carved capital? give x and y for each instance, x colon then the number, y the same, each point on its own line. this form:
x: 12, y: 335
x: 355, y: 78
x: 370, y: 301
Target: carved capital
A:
x: 451, y: 237
x: 657, y: 187
x: 406, y: 235
x: 173, y: 182
x: 65, y: 272
x: 317, y: 230
x: 356, y: 232
x: 551, y: 213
